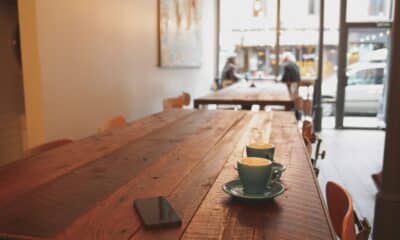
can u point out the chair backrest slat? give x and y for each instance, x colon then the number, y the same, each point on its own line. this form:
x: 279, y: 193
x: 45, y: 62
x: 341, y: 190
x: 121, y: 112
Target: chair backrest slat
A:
x: 341, y: 211
x: 177, y: 102
x: 117, y: 121
x: 308, y: 131
x: 307, y: 107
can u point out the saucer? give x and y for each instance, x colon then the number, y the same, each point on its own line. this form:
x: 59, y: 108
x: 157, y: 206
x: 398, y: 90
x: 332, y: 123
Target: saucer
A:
x: 280, y: 166
x: 235, y: 189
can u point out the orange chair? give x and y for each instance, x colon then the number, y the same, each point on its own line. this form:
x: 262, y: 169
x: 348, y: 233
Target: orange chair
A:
x: 114, y: 122
x: 46, y: 147
x: 307, y: 108
x: 308, y: 131
x: 309, y: 138
x: 342, y: 215
x: 309, y: 148
x: 298, y: 103
x: 177, y: 102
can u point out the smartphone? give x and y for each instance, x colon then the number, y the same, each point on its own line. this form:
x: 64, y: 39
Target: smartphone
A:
x: 156, y: 212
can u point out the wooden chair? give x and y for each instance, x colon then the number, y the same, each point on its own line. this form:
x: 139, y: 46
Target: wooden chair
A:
x: 309, y: 148
x: 46, y: 147
x: 342, y: 214
x: 308, y: 131
x: 309, y: 138
x: 115, y: 122
x: 307, y: 108
x: 298, y: 108
x: 177, y: 102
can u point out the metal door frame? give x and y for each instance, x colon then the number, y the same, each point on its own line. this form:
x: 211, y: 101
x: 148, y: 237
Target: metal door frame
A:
x: 342, y: 66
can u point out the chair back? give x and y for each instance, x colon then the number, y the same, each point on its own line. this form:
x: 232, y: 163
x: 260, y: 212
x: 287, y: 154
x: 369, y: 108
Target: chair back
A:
x: 46, y: 147
x: 186, y: 98
x: 340, y: 208
x: 308, y: 146
x: 307, y: 107
x: 115, y: 122
x: 308, y: 131
x: 177, y: 102
x: 298, y: 103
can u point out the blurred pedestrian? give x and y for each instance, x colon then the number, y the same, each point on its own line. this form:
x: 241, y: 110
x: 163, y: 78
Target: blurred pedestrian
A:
x: 291, y: 74
x: 229, y: 73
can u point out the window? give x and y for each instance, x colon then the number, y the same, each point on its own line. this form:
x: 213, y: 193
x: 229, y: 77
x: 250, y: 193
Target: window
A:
x: 312, y: 7
x: 372, y: 76
x: 369, y: 10
x: 259, y: 8
x: 379, y: 76
x: 377, y: 7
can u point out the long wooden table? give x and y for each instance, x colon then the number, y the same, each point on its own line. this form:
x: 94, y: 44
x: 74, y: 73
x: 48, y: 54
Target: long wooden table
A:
x: 264, y: 93
x: 85, y: 190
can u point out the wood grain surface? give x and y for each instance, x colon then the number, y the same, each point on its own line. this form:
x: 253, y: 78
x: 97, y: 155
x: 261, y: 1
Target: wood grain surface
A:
x: 86, y: 190
x: 264, y: 93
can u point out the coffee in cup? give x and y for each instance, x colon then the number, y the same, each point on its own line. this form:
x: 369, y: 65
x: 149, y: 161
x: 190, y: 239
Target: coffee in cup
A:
x: 261, y: 150
x: 255, y: 174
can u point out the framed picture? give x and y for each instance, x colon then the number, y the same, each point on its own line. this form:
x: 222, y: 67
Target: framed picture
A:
x: 180, y: 33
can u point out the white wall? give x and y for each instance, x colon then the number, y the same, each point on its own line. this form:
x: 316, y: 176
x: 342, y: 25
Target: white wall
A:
x: 99, y: 58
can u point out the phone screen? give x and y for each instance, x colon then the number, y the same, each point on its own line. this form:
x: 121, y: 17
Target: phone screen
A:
x: 156, y: 212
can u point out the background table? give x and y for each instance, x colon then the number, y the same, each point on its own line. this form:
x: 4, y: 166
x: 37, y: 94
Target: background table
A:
x: 85, y: 190
x: 265, y: 93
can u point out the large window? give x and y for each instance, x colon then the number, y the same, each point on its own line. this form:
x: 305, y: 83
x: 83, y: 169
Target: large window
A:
x: 369, y: 10
x: 299, y: 34
x: 249, y: 30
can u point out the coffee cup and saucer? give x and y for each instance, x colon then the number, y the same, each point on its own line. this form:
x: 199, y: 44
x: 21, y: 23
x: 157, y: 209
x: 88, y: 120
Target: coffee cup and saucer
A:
x: 259, y: 174
x: 256, y: 180
x: 265, y: 150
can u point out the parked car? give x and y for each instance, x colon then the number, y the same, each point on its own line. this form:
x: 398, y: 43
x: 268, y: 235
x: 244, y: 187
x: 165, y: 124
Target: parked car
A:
x: 364, y: 89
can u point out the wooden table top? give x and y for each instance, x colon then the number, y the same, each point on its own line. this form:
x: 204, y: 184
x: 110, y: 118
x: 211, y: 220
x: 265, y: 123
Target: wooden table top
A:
x: 264, y: 93
x: 85, y: 190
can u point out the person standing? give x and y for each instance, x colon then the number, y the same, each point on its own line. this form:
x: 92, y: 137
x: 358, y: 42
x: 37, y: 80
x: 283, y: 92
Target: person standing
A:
x: 291, y: 74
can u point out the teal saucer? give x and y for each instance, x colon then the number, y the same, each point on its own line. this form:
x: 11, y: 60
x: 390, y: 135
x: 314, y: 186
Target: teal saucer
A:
x: 235, y: 189
x: 279, y: 166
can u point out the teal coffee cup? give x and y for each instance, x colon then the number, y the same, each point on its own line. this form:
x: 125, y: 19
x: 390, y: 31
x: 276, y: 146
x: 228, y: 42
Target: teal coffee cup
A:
x: 261, y: 150
x: 266, y: 150
x: 255, y: 174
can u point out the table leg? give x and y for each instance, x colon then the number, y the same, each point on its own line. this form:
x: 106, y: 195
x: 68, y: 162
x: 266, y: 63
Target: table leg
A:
x: 196, y: 105
x: 246, y: 106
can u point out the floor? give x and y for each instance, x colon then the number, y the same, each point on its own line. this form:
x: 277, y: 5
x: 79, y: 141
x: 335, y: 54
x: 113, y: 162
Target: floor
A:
x: 352, y: 156
x: 354, y: 121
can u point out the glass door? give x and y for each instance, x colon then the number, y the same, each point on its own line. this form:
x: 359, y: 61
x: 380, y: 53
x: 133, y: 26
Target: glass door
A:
x: 364, y: 45
x: 366, y: 76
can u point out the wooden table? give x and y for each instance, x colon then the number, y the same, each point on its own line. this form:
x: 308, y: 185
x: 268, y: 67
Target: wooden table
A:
x: 265, y: 93
x: 85, y: 190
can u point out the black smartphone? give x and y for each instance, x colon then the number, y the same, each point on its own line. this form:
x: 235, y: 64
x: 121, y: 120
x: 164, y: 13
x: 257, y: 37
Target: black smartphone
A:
x: 156, y: 212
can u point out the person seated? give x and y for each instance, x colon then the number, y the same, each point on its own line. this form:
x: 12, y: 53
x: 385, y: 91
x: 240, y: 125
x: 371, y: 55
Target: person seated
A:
x: 229, y: 73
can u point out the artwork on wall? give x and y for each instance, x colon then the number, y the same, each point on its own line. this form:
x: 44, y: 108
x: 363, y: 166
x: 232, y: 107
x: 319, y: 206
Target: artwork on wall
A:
x: 180, y: 33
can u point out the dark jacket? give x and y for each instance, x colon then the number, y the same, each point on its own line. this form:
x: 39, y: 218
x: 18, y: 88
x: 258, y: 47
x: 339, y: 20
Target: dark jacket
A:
x: 291, y: 73
x: 229, y: 73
